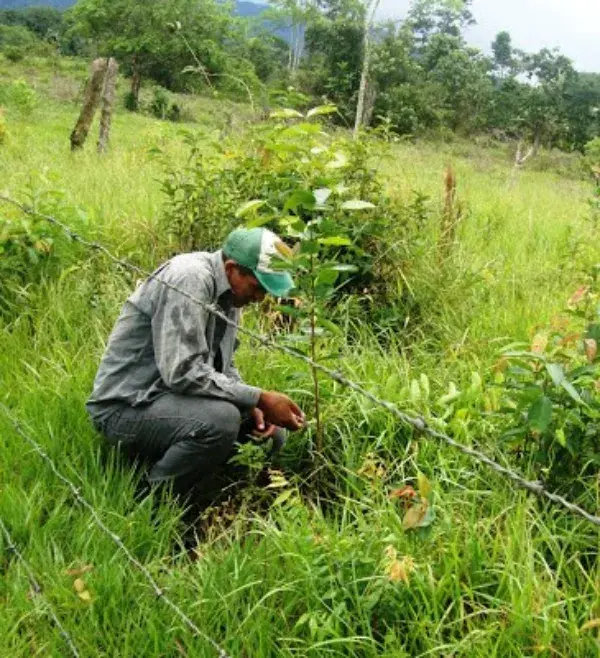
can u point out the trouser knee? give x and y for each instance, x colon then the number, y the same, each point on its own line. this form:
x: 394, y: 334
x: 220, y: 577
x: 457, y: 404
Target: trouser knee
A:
x: 223, y: 423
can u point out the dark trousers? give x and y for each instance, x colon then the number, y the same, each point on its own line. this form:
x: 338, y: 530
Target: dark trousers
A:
x: 184, y: 439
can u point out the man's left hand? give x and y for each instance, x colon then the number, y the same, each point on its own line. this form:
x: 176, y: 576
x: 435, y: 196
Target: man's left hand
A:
x: 262, y: 429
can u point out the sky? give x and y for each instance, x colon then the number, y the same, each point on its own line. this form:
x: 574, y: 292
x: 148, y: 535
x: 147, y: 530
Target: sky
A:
x: 571, y: 25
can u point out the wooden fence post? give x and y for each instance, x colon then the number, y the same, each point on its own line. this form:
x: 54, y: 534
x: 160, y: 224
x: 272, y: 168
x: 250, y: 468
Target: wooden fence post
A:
x: 90, y: 102
x: 108, y: 99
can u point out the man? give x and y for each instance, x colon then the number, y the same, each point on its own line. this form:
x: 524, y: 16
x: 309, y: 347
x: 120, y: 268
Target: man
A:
x: 166, y: 390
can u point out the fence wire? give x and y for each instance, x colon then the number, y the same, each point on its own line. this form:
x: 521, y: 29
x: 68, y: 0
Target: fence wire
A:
x: 160, y: 593
x: 416, y: 422
x: 11, y: 547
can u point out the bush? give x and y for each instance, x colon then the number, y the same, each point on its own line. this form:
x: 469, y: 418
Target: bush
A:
x: 14, y: 54
x: 159, y: 105
x: 130, y: 102
x: 20, y: 96
x: 550, y: 392
x: 592, y: 158
x: 30, y: 248
x: 163, y: 107
x: 270, y: 164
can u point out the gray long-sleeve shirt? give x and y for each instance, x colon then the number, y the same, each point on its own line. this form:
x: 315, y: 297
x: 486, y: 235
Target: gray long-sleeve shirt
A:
x: 164, y: 342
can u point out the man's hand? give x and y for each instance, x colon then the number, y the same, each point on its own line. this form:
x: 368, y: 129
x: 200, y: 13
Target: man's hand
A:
x: 279, y: 410
x: 261, y: 428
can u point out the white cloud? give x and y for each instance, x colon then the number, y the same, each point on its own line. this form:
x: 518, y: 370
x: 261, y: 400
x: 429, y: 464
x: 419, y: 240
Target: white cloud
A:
x: 572, y: 26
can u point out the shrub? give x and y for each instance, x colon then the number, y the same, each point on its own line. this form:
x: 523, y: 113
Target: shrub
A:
x: 130, y: 102
x: 30, y: 248
x: 14, y: 54
x: 270, y: 164
x: 20, y: 96
x: 550, y: 392
x: 159, y: 105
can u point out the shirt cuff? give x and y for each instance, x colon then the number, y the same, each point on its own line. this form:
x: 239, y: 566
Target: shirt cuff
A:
x: 246, y: 397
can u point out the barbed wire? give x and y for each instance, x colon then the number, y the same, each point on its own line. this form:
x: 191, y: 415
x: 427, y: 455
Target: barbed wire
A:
x: 416, y: 422
x: 37, y: 589
x: 160, y: 593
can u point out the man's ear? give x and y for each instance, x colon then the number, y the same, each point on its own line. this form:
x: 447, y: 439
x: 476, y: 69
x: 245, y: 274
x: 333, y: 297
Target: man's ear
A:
x: 229, y: 266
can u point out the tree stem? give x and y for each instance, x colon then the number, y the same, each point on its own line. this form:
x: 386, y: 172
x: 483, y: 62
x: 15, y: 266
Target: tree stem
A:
x: 313, y: 355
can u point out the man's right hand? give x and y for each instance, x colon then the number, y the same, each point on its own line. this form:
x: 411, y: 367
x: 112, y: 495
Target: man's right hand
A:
x: 280, y: 410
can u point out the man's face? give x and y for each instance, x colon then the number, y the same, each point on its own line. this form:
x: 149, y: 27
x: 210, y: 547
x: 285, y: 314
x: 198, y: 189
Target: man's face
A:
x: 245, y: 287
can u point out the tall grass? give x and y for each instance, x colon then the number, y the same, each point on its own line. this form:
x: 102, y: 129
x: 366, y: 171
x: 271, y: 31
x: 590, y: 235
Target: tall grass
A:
x: 497, y: 574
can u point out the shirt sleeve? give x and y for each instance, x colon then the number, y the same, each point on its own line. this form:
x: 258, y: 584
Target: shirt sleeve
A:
x: 232, y: 372
x: 179, y: 340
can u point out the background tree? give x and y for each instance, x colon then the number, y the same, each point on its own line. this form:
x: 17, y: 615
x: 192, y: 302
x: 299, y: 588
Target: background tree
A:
x: 503, y: 62
x: 138, y: 35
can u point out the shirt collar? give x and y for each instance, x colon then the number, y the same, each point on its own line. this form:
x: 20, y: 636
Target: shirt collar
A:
x: 220, y: 275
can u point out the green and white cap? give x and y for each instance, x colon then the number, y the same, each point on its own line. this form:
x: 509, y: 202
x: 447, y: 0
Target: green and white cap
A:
x: 255, y: 249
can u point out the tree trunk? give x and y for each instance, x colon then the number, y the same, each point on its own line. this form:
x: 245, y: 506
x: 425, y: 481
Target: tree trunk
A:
x: 370, y: 98
x: 90, y: 102
x: 108, y: 100
x: 521, y: 159
x: 370, y: 9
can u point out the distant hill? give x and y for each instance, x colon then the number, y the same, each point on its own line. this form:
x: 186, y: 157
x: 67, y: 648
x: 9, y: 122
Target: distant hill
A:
x: 20, y: 4
x: 248, y: 9
x: 244, y: 8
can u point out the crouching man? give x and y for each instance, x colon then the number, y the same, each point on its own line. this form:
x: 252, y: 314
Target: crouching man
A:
x: 167, y: 391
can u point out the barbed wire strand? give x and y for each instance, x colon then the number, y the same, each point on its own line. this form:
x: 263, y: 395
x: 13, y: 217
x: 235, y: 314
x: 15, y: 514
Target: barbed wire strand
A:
x: 160, y: 593
x: 417, y: 422
x: 37, y: 589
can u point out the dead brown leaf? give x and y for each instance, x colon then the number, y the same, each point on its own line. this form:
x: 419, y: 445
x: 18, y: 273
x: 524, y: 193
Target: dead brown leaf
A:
x: 570, y: 339
x: 539, y: 343
x: 415, y: 515
x: 589, y: 625
x: 79, y: 571
x: 578, y: 295
x: 398, y: 570
x: 407, y: 493
x: 78, y: 585
x: 591, y: 349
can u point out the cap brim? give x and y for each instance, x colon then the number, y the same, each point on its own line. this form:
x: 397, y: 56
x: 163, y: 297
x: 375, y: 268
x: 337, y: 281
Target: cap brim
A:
x: 278, y: 284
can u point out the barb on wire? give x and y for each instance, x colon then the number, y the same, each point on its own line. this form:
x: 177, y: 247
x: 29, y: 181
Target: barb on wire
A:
x: 418, y: 423
x: 116, y: 539
x: 11, y: 546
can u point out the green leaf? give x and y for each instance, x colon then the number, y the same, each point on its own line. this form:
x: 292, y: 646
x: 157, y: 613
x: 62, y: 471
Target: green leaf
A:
x: 259, y: 220
x: 556, y: 372
x: 339, y: 161
x: 320, y: 110
x: 283, y: 497
x: 357, y: 204
x: 560, y: 436
x: 571, y: 390
x: 335, y: 241
x: 344, y: 267
x: 300, y: 199
x: 593, y: 332
x: 330, y: 326
x: 249, y: 207
x: 286, y: 113
x: 322, y: 195
x: 326, y: 277
x: 540, y: 414
x: 423, y: 485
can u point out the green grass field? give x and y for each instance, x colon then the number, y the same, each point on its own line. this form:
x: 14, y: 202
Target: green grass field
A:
x: 330, y: 571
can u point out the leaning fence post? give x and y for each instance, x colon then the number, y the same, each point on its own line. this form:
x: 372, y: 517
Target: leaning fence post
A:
x: 106, y: 108
x: 90, y: 102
